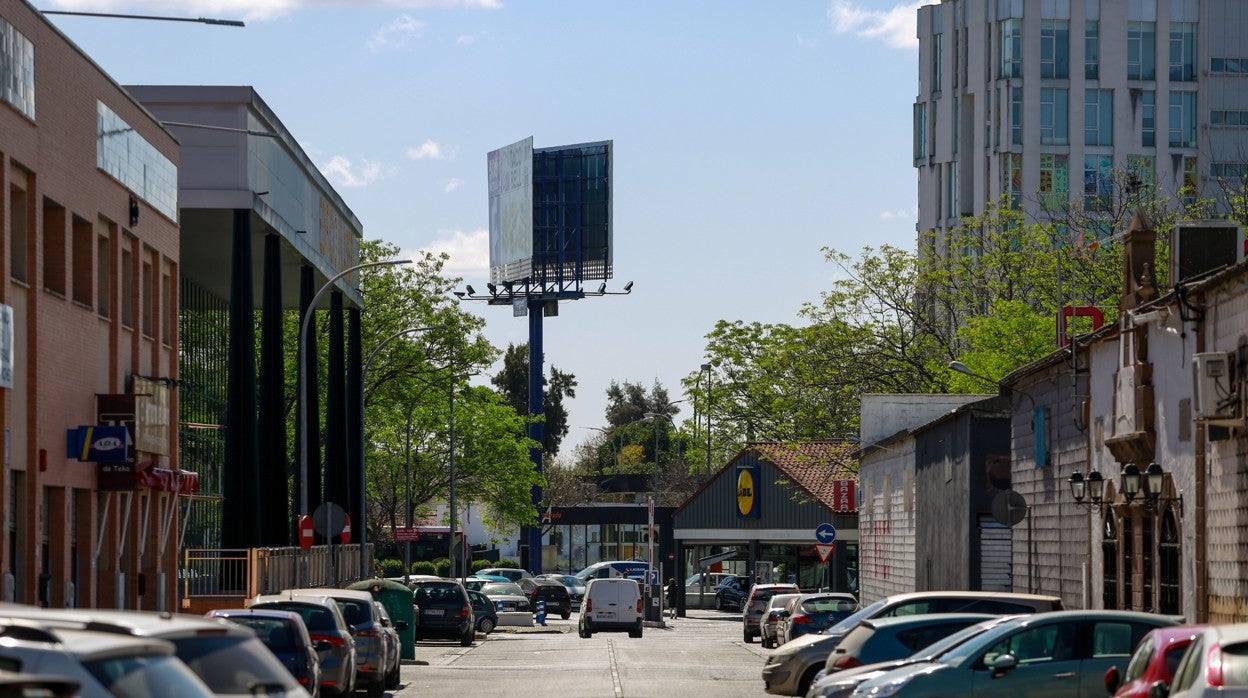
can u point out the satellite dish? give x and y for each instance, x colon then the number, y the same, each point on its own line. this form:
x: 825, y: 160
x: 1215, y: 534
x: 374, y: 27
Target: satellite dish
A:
x: 1009, y: 507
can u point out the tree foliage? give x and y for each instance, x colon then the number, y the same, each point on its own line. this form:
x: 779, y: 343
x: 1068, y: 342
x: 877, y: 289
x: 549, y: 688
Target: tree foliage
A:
x: 512, y: 381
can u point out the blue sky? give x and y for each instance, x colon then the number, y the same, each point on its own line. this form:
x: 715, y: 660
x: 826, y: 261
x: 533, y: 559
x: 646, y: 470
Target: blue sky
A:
x: 747, y: 137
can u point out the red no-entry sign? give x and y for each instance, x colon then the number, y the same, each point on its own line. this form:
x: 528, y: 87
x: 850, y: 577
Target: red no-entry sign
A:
x: 305, y: 532
x: 346, y: 528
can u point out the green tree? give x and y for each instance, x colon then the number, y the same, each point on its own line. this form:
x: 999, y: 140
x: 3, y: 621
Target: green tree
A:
x: 513, y: 383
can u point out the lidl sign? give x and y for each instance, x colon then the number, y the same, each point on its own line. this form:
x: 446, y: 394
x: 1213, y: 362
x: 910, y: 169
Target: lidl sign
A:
x: 747, y: 492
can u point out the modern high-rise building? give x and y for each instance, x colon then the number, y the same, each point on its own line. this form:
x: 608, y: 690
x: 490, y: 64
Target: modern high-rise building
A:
x: 1056, y: 103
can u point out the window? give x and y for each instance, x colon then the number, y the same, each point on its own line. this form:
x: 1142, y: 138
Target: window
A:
x: 1182, y: 52
x: 132, y: 160
x: 1054, y: 180
x: 169, y: 310
x: 1055, y: 48
x: 127, y: 285
x: 1148, y: 118
x: 19, y: 243
x: 1227, y: 170
x: 920, y: 130
x: 1092, y: 50
x: 1228, y: 117
x: 1012, y: 177
x: 1097, y: 182
x: 1049, y: 642
x: 1109, y: 554
x: 1142, y: 169
x: 1016, y: 115
x: 1228, y: 66
x: 83, y: 261
x: 54, y: 247
x: 1054, y: 116
x: 938, y: 51
x: 17, y: 69
x: 148, y: 300
x: 1098, y: 117
x: 1141, y: 51
x: 1169, y: 554
x: 1189, y: 188
x: 1011, y: 48
x: 104, y: 279
x: 1182, y: 119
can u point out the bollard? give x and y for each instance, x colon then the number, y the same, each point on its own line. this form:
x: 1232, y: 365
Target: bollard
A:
x: 541, y: 612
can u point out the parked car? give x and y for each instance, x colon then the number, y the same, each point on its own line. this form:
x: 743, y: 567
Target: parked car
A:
x: 895, y: 637
x: 772, y: 616
x: 228, y: 659
x: 554, y: 594
x: 841, y: 684
x: 1058, y: 653
x: 509, y: 573
x: 812, y: 613
x: 100, y: 664
x: 576, y: 587
x: 286, y: 636
x: 394, y: 645
x: 22, y: 684
x: 1215, y: 664
x: 731, y: 592
x: 812, y: 650
x: 445, y: 611
x: 1153, y: 662
x: 508, y: 597
x: 694, y: 582
x: 611, y: 604
x: 359, y: 609
x: 475, y: 582
x: 329, y: 630
x: 756, y: 603
x: 484, y: 611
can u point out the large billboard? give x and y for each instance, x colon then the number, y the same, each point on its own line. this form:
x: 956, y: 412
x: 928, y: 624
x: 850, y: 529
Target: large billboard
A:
x: 510, y: 171
x: 550, y: 213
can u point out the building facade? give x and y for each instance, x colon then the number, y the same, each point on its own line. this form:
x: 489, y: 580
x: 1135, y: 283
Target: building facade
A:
x: 1051, y: 103
x: 88, y: 305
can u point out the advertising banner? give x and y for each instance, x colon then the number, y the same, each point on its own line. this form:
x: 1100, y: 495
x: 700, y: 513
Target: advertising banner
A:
x: 510, y: 174
x: 747, y: 492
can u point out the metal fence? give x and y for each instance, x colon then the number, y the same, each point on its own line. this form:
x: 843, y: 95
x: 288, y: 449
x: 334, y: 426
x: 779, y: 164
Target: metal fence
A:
x: 241, y: 573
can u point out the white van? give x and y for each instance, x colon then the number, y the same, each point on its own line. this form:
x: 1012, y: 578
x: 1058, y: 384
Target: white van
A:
x: 611, y: 603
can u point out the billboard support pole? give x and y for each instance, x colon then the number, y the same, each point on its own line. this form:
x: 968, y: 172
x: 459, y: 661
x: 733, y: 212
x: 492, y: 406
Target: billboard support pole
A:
x: 536, y: 407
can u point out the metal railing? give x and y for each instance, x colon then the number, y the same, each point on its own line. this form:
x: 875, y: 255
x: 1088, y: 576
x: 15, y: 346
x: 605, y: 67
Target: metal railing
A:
x: 241, y: 573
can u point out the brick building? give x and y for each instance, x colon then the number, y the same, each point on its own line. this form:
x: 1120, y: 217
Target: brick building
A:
x: 88, y: 328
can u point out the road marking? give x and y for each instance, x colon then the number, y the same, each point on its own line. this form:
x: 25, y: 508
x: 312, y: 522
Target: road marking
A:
x: 615, y: 670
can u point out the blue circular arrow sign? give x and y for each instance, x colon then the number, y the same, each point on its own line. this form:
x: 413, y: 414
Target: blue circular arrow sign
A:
x: 825, y: 533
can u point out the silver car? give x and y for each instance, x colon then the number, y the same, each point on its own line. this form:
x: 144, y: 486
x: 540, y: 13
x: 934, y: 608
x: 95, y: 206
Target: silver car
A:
x: 1215, y: 664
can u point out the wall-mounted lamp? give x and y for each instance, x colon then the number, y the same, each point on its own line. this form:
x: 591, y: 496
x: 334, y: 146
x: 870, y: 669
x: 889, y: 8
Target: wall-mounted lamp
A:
x: 1150, y: 483
x: 1092, y: 487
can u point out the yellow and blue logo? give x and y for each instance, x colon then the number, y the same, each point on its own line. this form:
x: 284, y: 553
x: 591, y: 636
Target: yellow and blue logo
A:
x: 747, y: 492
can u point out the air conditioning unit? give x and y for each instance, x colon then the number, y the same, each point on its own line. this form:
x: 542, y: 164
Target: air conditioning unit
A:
x: 1199, y: 247
x: 1215, y: 387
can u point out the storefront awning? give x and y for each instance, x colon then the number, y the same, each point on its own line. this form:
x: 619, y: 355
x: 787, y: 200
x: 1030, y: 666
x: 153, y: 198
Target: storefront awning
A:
x: 166, y: 479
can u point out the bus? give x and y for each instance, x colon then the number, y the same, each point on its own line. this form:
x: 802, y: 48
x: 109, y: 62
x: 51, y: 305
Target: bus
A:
x: 631, y: 569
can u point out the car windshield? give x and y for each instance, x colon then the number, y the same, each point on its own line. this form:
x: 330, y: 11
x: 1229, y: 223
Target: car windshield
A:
x: 828, y: 604
x: 233, y: 664
x: 317, y: 618
x: 146, y: 676
x: 502, y: 589
x: 852, y: 619
x: 943, y: 645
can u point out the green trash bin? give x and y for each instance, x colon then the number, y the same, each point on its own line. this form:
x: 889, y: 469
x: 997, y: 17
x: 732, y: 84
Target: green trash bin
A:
x: 397, y: 599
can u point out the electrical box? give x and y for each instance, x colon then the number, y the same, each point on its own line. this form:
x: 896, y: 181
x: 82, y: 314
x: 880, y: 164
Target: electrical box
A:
x: 1215, y: 387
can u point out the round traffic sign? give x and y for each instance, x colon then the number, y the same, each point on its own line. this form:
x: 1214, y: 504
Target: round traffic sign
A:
x: 825, y: 533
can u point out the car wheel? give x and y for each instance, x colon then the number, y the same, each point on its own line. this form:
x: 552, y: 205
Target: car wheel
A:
x: 565, y: 615
x: 486, y: 625
x: 466, y: 640
x: 377, y: 688
x: 635, y: 632
x: 807, y: 679
x: 719, y: 603
x: 392, y: 679
x: 750, y: 638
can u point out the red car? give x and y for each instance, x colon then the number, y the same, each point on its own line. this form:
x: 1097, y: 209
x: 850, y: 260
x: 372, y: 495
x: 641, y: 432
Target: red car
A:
x: 1152, y: 662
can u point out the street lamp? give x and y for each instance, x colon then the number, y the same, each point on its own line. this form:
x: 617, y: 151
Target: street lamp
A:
x: 305, y: 322
x: 363, y: 502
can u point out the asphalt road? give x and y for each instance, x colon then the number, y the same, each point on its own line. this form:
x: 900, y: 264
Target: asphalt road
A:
x: 700, y: 655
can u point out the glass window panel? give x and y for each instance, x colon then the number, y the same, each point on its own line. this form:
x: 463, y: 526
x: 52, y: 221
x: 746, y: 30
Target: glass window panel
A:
x: 1141, y: 51
x: 1055, y: 48
x: 1148, y: 118
x: 1182, y: 51
x: 1091, y: 50
x: 1012, y: 48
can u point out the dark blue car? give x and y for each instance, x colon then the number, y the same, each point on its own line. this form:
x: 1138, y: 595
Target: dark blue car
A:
x: 484, y: 611
x: 810, y: 613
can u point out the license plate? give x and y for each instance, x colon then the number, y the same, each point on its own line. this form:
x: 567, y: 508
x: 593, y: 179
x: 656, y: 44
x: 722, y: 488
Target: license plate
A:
x: 606, y: 615
x: 434, y: 612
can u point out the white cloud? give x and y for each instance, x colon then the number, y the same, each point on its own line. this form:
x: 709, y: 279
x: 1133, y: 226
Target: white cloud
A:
x: 429, y: 149
x: 340, y: 171
x: 250, y: 10
x: 899, y: 215
x: 469, y: 252
x: 895, y: 27
x: 465, y: 39
x: 453, y: 184
x: 396, y: 34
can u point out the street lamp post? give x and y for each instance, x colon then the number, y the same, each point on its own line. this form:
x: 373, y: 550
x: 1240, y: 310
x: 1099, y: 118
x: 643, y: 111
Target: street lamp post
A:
x: 362, y: 501
x: 305, y: 322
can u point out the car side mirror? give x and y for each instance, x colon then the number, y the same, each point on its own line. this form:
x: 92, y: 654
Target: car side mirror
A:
x: 1112, y: 679
x: 400, y: 625
x: 322, y: 646
x: 1002, y: 664
x: 1159, y: 689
